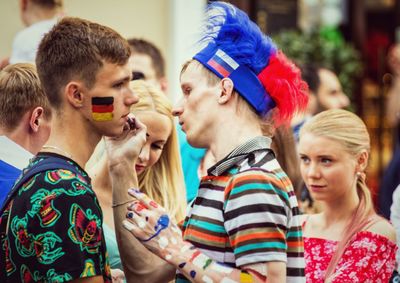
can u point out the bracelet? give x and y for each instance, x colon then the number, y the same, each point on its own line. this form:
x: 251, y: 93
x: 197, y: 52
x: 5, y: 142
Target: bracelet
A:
x: 122, y: 203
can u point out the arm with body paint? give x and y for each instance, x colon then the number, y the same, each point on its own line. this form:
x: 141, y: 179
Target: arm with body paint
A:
x: 139, y: 264
x: 149, y: 223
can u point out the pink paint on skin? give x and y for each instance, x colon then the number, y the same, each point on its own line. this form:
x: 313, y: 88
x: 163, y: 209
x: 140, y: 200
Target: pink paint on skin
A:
x: 154, y: 204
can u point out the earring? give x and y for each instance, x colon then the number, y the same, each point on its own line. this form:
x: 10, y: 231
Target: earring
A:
x: 361, y: 176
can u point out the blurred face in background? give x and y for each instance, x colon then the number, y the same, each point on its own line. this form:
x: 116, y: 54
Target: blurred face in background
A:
x: 330, y: 94
x: 142, y: 67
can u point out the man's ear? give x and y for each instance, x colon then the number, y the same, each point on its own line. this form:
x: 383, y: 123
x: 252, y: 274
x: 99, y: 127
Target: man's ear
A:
x: 23, y: 4
x: 163, y: 84
x: 74, y: 94
x: 36, y: 118
x: 227, y: 88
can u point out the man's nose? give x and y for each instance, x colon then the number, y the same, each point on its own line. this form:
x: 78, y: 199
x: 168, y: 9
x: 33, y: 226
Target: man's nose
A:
x: 178, y: 108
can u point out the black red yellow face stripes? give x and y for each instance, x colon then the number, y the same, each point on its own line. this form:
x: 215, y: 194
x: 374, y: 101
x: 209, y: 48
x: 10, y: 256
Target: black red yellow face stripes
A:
x: 102, y: 108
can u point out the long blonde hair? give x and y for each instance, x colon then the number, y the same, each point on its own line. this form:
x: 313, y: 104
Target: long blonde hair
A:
x: 163, y: 182
x: 350, y: 131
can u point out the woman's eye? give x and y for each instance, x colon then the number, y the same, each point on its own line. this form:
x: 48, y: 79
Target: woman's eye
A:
x: 304, y: 159
x: 156, y: 146
x: 326, y: 160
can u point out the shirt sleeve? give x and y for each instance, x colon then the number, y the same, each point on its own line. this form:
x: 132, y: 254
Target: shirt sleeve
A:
x: 256, y: 213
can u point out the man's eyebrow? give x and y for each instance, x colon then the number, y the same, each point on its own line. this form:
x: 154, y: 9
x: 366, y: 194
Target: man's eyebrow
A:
x: 124, y: 79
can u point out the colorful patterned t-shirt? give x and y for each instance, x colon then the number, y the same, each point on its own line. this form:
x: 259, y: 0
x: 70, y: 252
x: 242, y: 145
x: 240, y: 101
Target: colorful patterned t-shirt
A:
x: 54, y: 229
x: 246, y: 212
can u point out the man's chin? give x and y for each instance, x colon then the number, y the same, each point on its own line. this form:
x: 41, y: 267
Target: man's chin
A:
x: 115, y: 134
x: 194, y: 143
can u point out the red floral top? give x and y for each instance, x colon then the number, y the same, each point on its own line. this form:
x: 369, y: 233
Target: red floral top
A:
x: 369, y: 257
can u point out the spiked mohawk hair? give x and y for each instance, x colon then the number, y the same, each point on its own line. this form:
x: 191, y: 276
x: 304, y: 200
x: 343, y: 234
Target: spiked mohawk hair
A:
x: 237, y: 49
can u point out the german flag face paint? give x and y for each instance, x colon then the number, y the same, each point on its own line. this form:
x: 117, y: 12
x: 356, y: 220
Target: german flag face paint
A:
x: 102, y: 108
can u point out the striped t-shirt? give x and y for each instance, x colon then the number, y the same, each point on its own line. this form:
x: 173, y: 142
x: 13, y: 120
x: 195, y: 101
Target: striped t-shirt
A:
x: 246, y: 212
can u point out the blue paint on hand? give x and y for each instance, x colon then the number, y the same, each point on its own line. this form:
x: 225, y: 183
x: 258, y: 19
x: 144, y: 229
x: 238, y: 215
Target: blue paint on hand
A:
x: 162, y: 223
x: 193, y: 274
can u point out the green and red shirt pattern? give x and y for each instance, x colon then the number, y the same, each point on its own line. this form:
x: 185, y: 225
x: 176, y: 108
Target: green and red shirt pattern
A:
x: 54, y: 229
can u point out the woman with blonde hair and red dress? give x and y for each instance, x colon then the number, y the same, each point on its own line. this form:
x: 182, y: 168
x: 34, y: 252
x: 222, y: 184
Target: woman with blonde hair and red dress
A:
x: 347, y: 241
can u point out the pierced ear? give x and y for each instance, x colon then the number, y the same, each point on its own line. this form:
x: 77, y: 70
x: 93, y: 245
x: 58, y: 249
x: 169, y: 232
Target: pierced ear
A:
x: 227, y: 88
x: 35, y: 119
x: 74, y: 95
x: 362, y: 161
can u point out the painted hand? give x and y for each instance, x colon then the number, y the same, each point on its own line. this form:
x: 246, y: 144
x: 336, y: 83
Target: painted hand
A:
x: 128, y: 144
x: 149, y: 223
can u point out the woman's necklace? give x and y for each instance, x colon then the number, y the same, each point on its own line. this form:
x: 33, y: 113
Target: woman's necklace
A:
x: 59, y: 150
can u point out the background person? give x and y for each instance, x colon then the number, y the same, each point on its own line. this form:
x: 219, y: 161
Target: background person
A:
x: 39, y: 16
x: 149, y: 64
x: 239, y: 199
x: 334, y: 149
x: 55, y: 231
x: 158, y: 169
x: 25, y: 117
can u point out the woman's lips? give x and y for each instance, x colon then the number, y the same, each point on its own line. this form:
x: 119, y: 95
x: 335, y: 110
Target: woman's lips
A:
x: 139, y: 168
x: 317, y: 188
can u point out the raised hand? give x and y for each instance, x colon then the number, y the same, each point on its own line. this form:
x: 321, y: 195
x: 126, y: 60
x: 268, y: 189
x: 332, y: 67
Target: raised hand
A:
x: 128, y: 144
x: 149, y: 223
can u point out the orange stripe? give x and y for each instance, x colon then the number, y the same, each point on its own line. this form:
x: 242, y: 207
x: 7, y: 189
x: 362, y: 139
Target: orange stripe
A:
x: 205, y: 236
x: 264, y: 235
x: 295, y: 244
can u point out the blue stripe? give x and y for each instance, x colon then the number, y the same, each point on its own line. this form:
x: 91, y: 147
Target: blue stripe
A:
x: 294, y: 234
x: 267, y: 245
x: 208, y: 226
x: 254, y: 186
x: 281, y: 174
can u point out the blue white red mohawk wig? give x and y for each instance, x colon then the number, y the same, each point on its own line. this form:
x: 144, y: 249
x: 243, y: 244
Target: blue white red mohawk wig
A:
x: 237, y: 49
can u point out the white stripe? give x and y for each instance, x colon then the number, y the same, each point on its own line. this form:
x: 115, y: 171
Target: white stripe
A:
x: 210, y: 213
x: 252, y: 218
x: 227, y: 59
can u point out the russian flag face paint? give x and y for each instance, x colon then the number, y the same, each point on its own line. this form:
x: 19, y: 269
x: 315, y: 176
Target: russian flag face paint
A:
x: 102, y: 108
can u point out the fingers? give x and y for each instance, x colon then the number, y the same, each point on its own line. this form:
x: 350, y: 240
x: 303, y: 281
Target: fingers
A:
x: 136, y: 219
x: 144, y: 199
x: 131, y: 227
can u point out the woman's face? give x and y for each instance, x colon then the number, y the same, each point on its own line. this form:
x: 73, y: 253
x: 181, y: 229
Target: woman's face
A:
x: 159, y: 129
x: 328, y: 171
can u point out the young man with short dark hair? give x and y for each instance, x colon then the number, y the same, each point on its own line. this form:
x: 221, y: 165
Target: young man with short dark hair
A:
x: 52, y: 227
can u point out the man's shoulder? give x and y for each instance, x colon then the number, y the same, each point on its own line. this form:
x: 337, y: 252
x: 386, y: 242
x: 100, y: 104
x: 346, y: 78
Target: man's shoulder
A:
x: 55, y: 179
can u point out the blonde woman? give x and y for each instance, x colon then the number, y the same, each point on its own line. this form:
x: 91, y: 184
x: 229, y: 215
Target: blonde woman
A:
x: 158, y: 166
x: 347, y: 241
